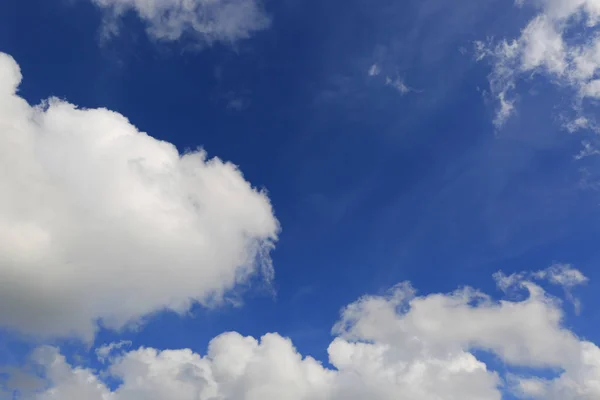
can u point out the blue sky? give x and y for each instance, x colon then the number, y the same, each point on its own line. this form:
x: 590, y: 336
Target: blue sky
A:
x: 426, y: 142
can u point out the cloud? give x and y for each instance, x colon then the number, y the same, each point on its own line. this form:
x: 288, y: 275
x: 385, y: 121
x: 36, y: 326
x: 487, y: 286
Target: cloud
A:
x: 397, y: 346
x: 561, y: 42
x: 374, y: 70
x: 237, y: 101
x: 206, y: 21
x: 99, y: 221
x: 237, y: 104
x: 589, y: 150
x: 398, y: 84
x: 563, y: 275
x: 104, y: 352
x: 558, y: 274
x: 23, y: 382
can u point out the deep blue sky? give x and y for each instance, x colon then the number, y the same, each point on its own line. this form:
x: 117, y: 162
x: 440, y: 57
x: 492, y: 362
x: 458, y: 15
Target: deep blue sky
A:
x: 371, y: 186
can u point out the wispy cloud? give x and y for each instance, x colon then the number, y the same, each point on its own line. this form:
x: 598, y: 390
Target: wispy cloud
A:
x: 374, y: 70
x: 560, y: 45
x: 204, y: 21
x: 563, y: 275
x: 399, y: 84
x: 237, y: 101
x: 547, y: 45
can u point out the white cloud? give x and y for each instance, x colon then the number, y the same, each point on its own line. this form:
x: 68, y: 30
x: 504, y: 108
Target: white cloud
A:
x: 591, y: 89
x: 558, y: 274
x: 397, y: 84
x: 104, y: 352
x: 374, y: 70
x: 579, y: 123
x: 588, y: 150
x: 546, y: 46
x: 505, y: 110
x: 207, y: 21
x: 394, y: 347
x: 542, y: 46
x: 101, y: 221
x: 563, y: 275
x: 579, y: 382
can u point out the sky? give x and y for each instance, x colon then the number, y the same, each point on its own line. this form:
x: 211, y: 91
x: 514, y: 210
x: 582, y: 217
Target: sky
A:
x: 299, y: 200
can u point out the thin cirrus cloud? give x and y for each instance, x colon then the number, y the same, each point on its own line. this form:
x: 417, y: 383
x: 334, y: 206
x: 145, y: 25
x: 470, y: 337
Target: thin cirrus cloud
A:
x: 205, y: 21
x: 100, y: 222
x: 560, y: 42
x: 396, y: 83
x: 397, y: 346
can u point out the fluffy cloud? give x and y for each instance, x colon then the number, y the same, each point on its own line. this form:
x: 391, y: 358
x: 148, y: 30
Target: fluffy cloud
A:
x: 560, y: 41
x: 207, y: 21
x: 578, y: 382
x: 393, y: 347
x: 99, y: 221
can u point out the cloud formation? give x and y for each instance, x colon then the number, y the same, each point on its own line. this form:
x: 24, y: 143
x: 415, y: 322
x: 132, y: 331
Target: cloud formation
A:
x: 99, y: 221
x: 206, y: 21
x: 374, y: 70
x: 397, y: 84
x: 561, y: 41
x: 398, y: 346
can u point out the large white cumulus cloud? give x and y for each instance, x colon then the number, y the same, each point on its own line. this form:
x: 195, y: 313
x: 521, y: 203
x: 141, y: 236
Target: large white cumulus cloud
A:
x: 206, y: 21
x: 101, y: 221
x: 393, y: 347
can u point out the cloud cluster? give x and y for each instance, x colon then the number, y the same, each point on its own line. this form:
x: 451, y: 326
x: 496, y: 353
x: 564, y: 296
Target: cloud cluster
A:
x: 399, y: 346
x: 101, y: 222
x: 206, y: 21
x: 560, y: 41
